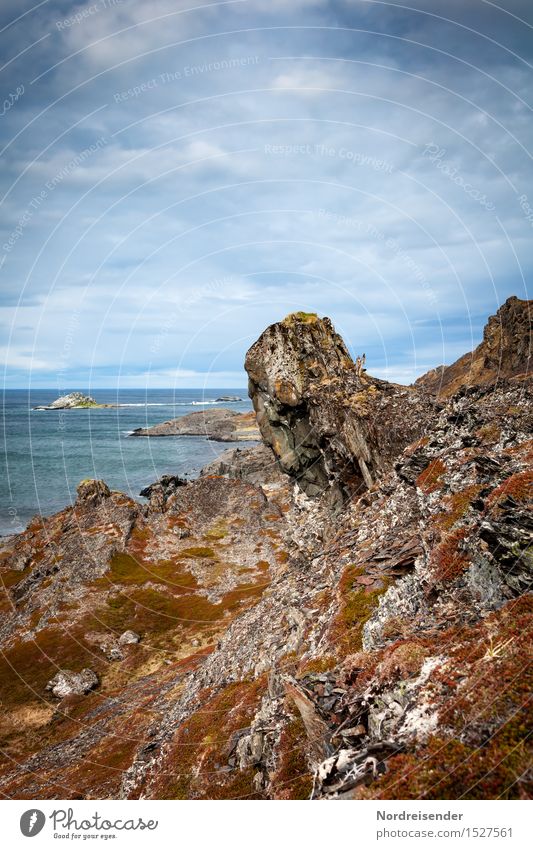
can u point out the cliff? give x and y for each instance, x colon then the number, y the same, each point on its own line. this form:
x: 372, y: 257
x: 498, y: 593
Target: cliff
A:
x: 330, y: 425
x: 504, y: 353
x: 235, y: 638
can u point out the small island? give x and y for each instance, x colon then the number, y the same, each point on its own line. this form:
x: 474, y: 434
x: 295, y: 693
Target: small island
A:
x: 73, y: 401
x: 228, y: 399
x: 218, y: 425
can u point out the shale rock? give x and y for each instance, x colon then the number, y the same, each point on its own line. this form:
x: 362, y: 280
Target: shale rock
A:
x: 255, y: 465
x: 330, y: 425
x: 92, y: 492
x: 505, y: 352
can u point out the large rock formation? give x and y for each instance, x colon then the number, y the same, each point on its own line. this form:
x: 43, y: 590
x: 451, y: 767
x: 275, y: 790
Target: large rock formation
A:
x: 505, y: 352
x: 330, y: 425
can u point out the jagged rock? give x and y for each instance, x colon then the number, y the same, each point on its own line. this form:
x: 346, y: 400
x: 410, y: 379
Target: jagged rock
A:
x: 330, y: 425
x: 402, y: 621
x: 256, y: 465
x: 159, y: 492
x: 67, y: 683
x: 92, y: 492
x: 505, y: 352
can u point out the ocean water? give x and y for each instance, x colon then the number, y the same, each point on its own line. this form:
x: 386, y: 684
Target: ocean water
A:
x: 45, y: 454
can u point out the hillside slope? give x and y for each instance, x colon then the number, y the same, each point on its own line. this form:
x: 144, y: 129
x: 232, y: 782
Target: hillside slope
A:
x: 356, y: 626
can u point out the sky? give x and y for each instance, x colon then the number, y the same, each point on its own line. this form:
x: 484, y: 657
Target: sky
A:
x: 177, y: 175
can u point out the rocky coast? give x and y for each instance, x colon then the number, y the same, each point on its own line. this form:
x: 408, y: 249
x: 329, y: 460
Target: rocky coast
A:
x: 217, y: 424
x: 341, y: 612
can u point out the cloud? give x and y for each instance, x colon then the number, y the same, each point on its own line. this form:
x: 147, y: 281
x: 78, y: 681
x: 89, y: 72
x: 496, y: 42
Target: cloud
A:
x: 284, y: 156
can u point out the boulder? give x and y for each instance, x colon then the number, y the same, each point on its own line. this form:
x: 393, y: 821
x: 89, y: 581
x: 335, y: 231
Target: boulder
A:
x: 167, y: 484
x: 129, y: 638
x: 217, y: 424
x: 257, y: 465
x: 92, y: 492
x: 67, y: 683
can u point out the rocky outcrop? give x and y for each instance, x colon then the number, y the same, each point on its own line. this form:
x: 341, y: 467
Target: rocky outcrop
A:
x: 504, y: 353
x: 218, y: 425
x: 330, y: 425
x: 249, y: 644
x: 73, y: 401
x: 67, y: 683
x: 255, y: 465
x: 161, y: 490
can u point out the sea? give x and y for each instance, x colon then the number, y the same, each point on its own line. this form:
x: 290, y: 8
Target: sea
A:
x: 46, y: 453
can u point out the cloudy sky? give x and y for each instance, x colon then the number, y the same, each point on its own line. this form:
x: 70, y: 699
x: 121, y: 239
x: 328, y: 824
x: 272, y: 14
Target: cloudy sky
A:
x: 176, y: 175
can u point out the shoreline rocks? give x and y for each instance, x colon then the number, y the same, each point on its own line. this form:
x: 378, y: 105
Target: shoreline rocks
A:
x: 218, y: 425
x: 256, y: 465
x: 291, y: 647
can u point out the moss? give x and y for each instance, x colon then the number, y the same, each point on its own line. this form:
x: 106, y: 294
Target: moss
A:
x: 457, y: 506
x: 198, y: 551
x: 357, y: 605
x: 218, y: 531
x: 11, y: 577
x: 447, y: 561
x: 127, y: 570
x: 305, y: 317
x: 199, y: 753
x: 430, y: 480
x: 316, y: 665
x: 293, y: 779
x: 401, y: 661
x: 519, y: 487
x: 27, y: 666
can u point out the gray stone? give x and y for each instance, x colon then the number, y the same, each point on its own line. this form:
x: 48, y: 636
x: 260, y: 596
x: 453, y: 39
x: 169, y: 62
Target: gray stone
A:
x: 67, y: 683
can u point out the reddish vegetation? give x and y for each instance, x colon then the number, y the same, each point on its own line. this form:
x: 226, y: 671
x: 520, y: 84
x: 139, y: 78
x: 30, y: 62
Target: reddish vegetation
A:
x: 213, y: 730
x: 519, y: 487
x: 448, y: 560
x: 431, y: 478
x: 476, y: 709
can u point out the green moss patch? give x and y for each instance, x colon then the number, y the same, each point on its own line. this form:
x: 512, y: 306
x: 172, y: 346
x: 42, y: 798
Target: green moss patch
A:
x: 197, y: 763
x: 293, y: 778
x: 357, y: 606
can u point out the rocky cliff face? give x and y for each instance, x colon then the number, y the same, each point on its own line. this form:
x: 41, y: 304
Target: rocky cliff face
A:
x: 330, y: 425
x: 229, y: 640
x: 504, y: 353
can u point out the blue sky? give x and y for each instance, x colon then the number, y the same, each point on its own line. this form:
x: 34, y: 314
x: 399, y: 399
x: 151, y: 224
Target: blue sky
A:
x: 178, y: 175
